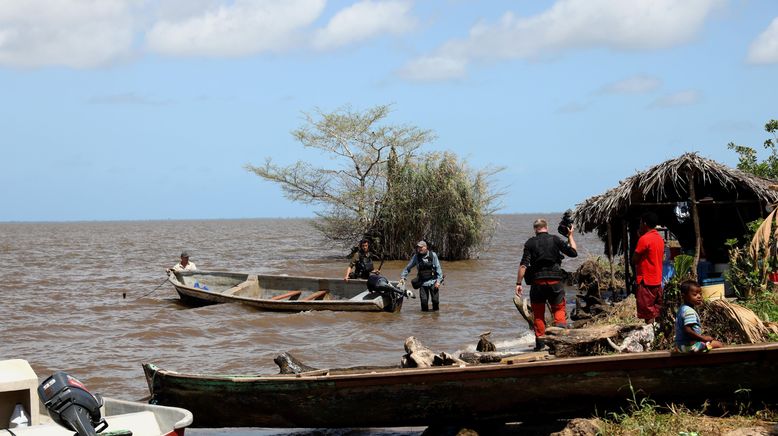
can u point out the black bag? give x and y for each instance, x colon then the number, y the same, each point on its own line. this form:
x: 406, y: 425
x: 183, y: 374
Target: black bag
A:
x: 416, y: 283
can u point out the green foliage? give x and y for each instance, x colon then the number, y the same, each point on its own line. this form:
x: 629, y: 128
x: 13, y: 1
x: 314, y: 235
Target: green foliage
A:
x: 745, y: 274
x: 644, y: 416
x: 379, y: 187
x: 672, y: 300
x: 438, y: 198
x: 748, y: 160
x: 765, y: 306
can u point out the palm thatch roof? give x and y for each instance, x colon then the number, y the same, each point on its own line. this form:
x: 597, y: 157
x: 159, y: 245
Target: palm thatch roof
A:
x: 727, y: 200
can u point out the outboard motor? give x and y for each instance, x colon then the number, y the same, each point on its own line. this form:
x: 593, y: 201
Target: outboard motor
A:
x: 71, y: 405
x: 394, y: 295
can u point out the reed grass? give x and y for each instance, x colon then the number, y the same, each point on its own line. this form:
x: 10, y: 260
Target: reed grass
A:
x: 439, y: 199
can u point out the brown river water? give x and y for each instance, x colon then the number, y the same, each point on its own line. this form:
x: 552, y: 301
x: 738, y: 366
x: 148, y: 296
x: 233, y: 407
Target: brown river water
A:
x: 80, y: 297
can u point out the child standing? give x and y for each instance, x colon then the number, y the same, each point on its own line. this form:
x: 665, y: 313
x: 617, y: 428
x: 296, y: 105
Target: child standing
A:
x: 688, y: 331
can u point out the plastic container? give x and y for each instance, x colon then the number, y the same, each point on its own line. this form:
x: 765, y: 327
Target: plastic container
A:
x: 713, y: 288
x: 668, y: 269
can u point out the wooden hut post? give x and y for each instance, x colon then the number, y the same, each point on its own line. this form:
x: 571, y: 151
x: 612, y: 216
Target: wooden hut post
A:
x: 696, y: 221
x: 610, y: 255
x: 627, y: 257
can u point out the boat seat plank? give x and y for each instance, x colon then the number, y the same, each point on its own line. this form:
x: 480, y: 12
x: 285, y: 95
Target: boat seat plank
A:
x: 237, y: 289
x: 316, y: 296
x: 292, y: 295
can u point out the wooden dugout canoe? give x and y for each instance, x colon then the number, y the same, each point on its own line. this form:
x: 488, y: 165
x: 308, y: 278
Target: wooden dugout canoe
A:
x: 281, y: 293
x: 560, y: 388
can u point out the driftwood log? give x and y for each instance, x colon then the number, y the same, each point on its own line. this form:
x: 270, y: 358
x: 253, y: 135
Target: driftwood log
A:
x: 484, y: 344
x: 523, y: 307
x: 588, y: 341
x: 419, y: 356
x: 488, y: 356
x: 289, y: 364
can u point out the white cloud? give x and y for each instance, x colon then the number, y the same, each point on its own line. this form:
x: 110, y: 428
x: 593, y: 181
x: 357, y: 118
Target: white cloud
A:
x: 764, y: 49
x: 573, y: 25
x: 432, y: 68
x: 682, y: 98
x: 240, y: 28
x: 632, y: 85
x: 363, y: 20
x: 71, y: 33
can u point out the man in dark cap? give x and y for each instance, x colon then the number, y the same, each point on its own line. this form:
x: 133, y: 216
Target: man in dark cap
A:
x: 429, y: 275
x: 184, y: 264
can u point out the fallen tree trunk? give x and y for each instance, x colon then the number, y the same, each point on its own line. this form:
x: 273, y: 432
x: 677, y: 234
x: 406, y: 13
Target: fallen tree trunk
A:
x: 589, y: 341
x: 419, y: 356
x: 488, y: 356
x: 288, y: 364
x: 484, y: 344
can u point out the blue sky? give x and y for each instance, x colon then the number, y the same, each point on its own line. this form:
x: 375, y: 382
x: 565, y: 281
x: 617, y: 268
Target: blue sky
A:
x: 141, y: 109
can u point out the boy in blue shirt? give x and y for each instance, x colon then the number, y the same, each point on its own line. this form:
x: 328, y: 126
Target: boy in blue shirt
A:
x: 688, y: 331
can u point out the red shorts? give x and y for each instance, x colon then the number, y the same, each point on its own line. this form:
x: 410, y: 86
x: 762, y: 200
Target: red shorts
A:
x: 649, y: 301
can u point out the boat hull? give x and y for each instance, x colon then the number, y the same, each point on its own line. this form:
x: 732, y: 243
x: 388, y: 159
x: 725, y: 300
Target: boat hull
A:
x: 559, y: 388
x: 262, y: 292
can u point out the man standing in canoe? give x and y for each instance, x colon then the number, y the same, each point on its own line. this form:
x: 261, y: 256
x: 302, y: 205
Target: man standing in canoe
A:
x: 428, y: 278
x: 184, y: 264
x: 649, y: 254
x: 541, y: 267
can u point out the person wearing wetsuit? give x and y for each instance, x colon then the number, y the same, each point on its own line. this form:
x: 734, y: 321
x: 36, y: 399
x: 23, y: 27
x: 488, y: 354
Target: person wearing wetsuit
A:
x: 429, y: 275
x: 541, y: 267
x: 361, y: 262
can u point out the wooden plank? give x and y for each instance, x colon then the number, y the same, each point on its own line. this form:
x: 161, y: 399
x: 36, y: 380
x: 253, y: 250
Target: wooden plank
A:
x: 527, y: 357
x: 316, y: 295
x: 313, y: 373
x: 238, y: 288
x: 288, y: 295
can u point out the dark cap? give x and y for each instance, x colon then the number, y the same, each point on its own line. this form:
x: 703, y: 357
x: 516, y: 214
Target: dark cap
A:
x: 184, y: 254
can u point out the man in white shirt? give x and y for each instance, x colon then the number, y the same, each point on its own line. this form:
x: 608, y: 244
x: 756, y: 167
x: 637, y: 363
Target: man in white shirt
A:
x: 184, y: 264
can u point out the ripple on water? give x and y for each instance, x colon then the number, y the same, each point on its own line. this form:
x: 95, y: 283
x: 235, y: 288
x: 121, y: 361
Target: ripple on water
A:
x: 81, y: 297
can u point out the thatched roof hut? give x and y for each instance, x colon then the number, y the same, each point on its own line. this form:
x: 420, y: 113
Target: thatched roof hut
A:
x: 691, y: 195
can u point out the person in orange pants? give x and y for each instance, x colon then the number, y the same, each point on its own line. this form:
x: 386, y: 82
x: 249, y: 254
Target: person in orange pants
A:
x: 541, y: 267
x: 553, y: 294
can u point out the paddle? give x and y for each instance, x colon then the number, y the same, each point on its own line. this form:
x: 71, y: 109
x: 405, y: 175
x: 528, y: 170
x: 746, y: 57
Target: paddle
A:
x: 124, y: 294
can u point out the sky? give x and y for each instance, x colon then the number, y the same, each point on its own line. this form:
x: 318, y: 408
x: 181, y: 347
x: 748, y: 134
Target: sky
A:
x: 146, y: 109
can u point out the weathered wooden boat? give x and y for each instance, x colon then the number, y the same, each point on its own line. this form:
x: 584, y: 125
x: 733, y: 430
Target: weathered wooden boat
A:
x: 281, y: 293
x: 525, y: 391
x: 18, y: 388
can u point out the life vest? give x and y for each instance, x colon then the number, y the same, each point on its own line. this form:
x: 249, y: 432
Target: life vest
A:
x: 363, y: 266
x: 546, y: 261
x: 425, y: 267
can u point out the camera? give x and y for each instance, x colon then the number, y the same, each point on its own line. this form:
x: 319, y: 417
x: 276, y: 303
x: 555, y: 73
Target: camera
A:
x: 565, y: 223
